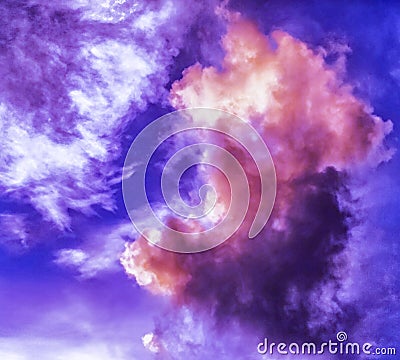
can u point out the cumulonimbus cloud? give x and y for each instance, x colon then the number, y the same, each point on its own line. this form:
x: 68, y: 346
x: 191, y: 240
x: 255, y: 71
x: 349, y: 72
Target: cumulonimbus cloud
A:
x: 288, y: 279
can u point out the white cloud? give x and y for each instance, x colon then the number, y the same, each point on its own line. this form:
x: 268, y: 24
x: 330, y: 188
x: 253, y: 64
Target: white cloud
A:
x: 101, y: 252
x: 122, y: 77
x: 31, y: 348
x: 59, y: 149
x: 54, y: 176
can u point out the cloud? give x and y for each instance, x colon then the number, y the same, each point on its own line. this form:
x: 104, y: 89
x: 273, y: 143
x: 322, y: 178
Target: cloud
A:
x: 22, y: 349
x: 75, y: 74
x: 287, y: 283
x: 13, y: 230
x: 57, y: 316
x: 99, y: 251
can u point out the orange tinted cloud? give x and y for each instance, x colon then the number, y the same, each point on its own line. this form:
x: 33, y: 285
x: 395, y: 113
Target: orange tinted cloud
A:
x: 308, y: 117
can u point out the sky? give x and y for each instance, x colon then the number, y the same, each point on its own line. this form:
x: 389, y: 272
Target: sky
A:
x: 317, y: 81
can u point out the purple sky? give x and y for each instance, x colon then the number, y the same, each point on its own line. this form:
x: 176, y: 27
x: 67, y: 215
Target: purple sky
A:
x: 79, y: 80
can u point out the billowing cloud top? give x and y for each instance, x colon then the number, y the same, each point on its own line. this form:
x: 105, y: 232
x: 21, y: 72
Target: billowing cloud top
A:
x: 318, y: 132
